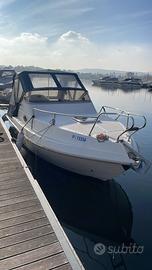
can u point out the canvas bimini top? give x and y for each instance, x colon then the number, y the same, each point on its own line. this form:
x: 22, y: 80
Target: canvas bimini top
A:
x: 46, y: 87
x: 47, y: 80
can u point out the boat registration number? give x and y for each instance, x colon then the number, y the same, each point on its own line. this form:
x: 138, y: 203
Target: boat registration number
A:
x: 79, y: 138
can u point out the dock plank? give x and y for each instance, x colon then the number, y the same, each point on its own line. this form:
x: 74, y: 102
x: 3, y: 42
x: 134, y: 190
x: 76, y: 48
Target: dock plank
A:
x: 7, y: 155
x: 29, y: 245
x: 35, y: 255
x: 44, y: 265
x: 21, y: 212
x: 13, y: 184
x: 17, y: 200
x: 25, y: 236
x: 18, y: 206
x: 13, y: 165
x: 21, y: 219
x: 14, y: 190
x: 17, y: 174
x: 23, y: 227
x: 56, y: 262
x: 21, y: 193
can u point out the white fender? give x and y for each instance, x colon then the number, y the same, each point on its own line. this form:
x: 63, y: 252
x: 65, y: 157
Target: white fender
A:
x: 20, y: 139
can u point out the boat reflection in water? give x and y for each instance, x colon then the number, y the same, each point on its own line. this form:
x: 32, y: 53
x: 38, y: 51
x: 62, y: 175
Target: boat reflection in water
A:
x: 90, y: 211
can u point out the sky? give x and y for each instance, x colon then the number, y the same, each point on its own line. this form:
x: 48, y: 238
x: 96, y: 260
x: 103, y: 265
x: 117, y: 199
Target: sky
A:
x: 77, y: 34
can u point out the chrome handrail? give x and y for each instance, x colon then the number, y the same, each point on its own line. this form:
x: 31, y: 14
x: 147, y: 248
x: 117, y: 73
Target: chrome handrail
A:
x: 66, y: 114
x: 129, y: 116
x: 100, y: 112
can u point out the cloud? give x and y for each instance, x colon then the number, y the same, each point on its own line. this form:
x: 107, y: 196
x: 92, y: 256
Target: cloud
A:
x: 72, y: 36
x: 30, y: 38
x: 23, y: 44
x: 72, y: 50
x: 25, y: 49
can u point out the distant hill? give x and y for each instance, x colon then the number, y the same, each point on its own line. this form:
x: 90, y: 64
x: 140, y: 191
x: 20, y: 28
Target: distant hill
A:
x: 107, y: 71
x: 97, y: 70
x: 21, y: 68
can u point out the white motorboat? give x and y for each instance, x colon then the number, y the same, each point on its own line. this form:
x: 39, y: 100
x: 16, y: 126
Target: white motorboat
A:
x: 54, y: 113
x: 107, y: 82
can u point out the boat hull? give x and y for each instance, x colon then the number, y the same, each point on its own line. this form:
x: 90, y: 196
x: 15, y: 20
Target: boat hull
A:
x: 89, y: 167
x: 54, y: 153
x: 106, y: 84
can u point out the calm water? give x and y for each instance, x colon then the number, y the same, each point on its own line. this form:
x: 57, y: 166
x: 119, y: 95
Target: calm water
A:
x: 112, y: 213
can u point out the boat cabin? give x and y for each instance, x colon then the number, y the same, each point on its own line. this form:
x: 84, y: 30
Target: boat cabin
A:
x: 49, y: 90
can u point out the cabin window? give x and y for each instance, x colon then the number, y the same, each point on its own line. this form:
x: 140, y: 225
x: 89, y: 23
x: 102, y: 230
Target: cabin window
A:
x: 42, y: 80
x: 68, y: 80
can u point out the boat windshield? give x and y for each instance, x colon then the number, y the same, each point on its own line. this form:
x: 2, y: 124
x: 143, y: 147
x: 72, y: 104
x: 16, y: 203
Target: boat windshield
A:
x: 48, y: 80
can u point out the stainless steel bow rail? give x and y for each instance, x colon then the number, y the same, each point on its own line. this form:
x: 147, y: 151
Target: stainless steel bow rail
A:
x: 131, y: 126
x: 122, y: 113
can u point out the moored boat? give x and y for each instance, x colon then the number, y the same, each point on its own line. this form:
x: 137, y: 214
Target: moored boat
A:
x: 58, y: 121
x: 107, y: 81
x: 6, y: 78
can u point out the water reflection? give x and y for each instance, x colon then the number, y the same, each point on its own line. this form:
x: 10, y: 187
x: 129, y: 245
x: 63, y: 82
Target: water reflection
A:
x: 90, y: 210
x: 138, y: 100
x: 115, y: 88
x: 101, y: 208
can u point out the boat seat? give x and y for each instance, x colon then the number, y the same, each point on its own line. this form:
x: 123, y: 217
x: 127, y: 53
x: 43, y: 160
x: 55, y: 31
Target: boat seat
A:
x: 38, y: 98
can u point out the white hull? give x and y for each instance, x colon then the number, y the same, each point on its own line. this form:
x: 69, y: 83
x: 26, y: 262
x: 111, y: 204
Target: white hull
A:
x: 88, y: 167
x: 54, y: 153
x: 110, y: 84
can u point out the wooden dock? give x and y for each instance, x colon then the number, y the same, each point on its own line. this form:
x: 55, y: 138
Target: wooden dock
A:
x: 31, y: 237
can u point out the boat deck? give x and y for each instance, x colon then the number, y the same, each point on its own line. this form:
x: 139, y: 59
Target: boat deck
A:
x: 31, y: 237
x: 111, y: 128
